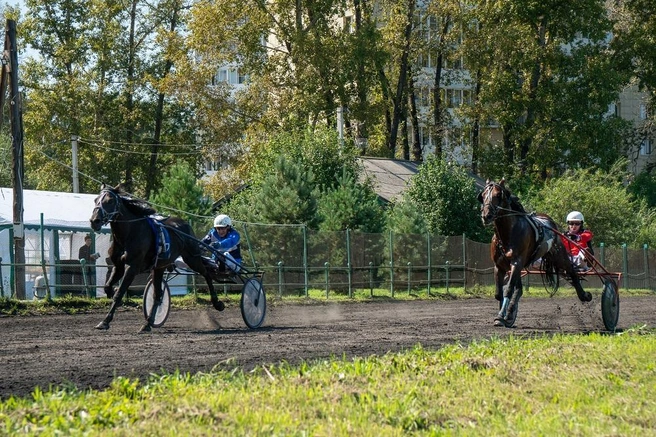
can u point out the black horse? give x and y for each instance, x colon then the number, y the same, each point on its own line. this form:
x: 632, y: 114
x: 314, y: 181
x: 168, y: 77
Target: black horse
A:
x: 519, y: 240
x: 141, y: 244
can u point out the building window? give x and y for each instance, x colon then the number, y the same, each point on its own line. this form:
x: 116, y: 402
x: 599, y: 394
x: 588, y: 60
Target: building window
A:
x: 645, y: 147
x: 230, y: 75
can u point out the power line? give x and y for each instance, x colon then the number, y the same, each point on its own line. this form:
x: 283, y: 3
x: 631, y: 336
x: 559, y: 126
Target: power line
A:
x: 130, y: 194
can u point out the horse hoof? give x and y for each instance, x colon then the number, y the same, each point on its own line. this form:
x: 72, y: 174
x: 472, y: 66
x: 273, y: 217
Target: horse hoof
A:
x: 145, y: 328
x: 218, y: 305
x: 499, y: 322
x: 103, y: 326
x: 587, y: 297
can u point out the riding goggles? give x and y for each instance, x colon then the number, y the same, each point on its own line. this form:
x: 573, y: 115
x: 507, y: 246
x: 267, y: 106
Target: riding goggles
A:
x: 574, y: 223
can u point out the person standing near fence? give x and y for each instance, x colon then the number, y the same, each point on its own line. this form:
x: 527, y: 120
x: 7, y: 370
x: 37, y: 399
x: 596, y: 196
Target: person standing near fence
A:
x: 85, y: 254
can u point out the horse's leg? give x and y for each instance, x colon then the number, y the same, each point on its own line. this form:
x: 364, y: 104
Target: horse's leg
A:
x: 562, y: 262
x: 216, y: 303
x: 158, y: 275
x: 584, y: 296
x: 499, y: 281
x: 196, y: 264
x: 513, y: 304
x: 128, y: 277
x: 114, y: 277
x: 510, y: 296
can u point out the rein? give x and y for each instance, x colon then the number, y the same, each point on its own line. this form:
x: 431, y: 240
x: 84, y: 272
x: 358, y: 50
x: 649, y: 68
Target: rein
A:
x: 111, y: 217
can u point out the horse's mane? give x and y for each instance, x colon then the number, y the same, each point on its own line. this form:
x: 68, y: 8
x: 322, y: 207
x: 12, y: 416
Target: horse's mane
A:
x: 513, y: 201
x: 515, y: 204
x: 136, y: 206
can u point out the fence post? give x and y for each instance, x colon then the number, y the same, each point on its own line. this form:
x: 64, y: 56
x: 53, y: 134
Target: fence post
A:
x: 625, y: 264
x: 428, y: 242
x: 602, y: 253
x: 84, y: 275
x: 280, y: 279
x: 464, y: 262
x: 305, y: 261
x: 248, y: 242
x: 348, y: 263
x: 371, y: 278
x: 43, y: 262
x: 326, y: 267
x: 447, y: 276
x: 645, y: 251
x: 391, y: 263
x: 409, y: 274
x: 2, y: 287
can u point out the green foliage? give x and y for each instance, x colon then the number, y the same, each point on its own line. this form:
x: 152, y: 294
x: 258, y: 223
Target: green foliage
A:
x: 447, y: 197
x: 609, y: 210
x: 643, y: 186
x: 405, y: 217
x: 547, y: 76
x: 318, y: 150
x: 6, y: 157
x: 351, y: 205
x: 94, y: 76
x: 287, y: 195
x: 181, y: 195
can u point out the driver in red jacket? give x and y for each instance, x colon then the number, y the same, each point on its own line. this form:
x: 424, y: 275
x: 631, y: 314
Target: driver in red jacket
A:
x: 577, y: 233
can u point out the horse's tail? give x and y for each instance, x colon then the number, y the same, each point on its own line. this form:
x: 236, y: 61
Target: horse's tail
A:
x: 550, y: 273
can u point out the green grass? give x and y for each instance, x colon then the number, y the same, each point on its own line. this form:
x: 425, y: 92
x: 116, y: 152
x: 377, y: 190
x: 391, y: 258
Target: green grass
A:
x: 584, y: 385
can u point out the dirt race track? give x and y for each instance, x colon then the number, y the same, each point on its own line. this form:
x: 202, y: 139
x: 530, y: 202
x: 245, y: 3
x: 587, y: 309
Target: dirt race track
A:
x: 61, y: 349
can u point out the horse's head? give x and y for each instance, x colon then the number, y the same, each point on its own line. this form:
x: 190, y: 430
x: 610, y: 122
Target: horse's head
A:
x: 493, y: 197
x: 106, y: 208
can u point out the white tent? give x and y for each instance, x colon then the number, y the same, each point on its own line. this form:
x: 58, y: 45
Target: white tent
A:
x: 58, y: 209
x: 65, y: 224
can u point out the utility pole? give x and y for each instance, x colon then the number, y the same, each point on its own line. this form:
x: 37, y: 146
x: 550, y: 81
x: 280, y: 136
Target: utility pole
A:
x: 76, y: 179
x: 10, y: 74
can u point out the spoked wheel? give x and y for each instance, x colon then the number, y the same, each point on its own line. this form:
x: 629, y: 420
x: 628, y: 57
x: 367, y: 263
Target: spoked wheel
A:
x: 253, y: 303
x: 163, y: 307
x: 610, y: 304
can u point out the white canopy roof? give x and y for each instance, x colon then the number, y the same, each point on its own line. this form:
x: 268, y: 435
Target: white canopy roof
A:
x: 59, y: 209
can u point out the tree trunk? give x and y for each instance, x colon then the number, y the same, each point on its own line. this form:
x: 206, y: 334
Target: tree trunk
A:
x: 159, y: 116
x: 438, y: 120
x: 398, y: 103
x: 416, y: 142
x: 129, y: 98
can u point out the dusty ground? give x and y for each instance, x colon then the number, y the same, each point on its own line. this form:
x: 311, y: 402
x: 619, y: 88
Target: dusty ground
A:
x: 61, y: 349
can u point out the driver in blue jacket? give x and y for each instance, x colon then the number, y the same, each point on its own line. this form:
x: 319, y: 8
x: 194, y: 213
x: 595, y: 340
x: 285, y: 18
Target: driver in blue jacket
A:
x: 225, y: 239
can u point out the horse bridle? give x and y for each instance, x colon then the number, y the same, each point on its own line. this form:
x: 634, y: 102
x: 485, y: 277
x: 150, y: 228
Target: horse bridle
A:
x: 486, y: 196
x: 107, y: 216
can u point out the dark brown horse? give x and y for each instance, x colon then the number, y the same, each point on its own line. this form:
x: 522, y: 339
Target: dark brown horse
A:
x: 137, y: 247
x: 519, y: 240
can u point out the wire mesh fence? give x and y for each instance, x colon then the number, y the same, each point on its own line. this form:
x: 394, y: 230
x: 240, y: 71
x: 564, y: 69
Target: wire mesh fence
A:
x: 296, y: 260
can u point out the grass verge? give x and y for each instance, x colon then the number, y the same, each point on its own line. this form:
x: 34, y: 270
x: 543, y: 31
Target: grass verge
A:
x: 548, y: 385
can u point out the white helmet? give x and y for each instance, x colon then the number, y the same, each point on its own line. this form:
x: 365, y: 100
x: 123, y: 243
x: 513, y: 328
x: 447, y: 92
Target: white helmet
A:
x: 574, y: 216
x: 222, y: 221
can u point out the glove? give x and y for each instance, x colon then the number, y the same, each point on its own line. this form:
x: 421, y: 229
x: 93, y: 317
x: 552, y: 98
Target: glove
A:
x: 574, y: 237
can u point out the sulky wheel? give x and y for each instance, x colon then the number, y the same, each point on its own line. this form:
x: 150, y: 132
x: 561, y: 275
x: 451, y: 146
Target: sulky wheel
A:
x: 253, y: 303
x: 163, y: 307
x: 610, y: 304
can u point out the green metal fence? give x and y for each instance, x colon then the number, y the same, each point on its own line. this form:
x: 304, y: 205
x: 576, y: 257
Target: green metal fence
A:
x: 296, y: 259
